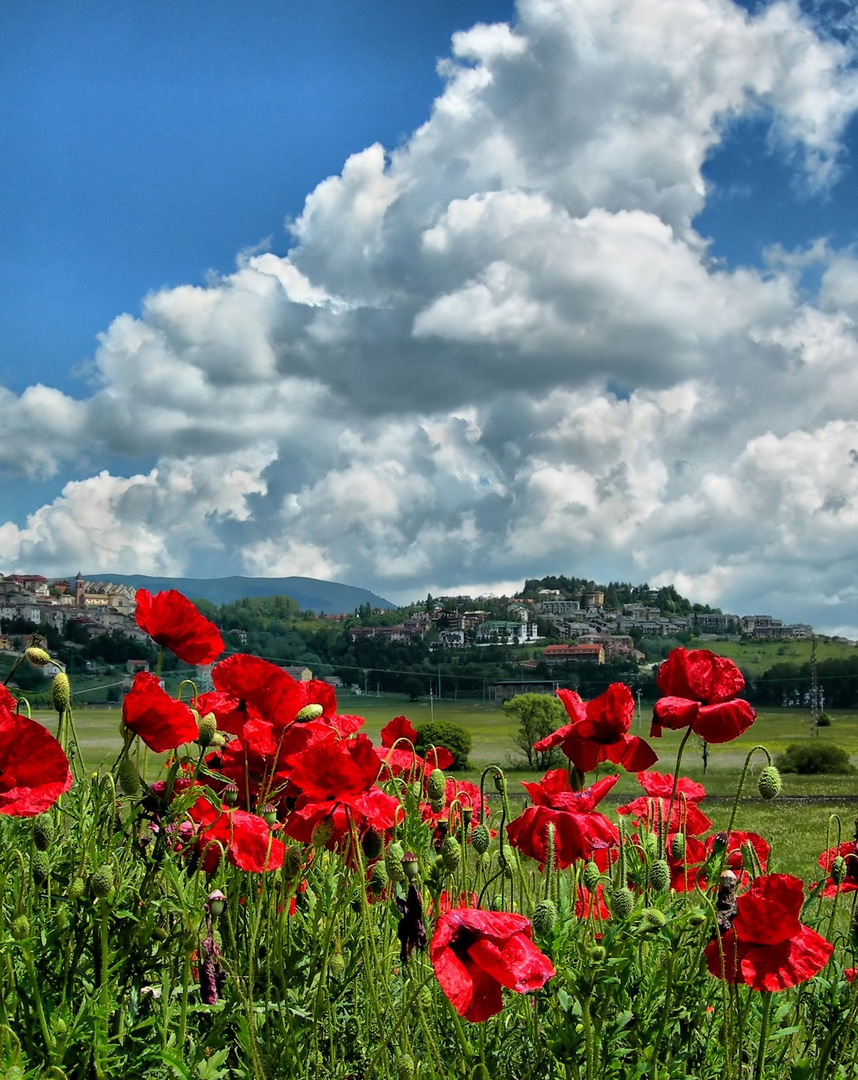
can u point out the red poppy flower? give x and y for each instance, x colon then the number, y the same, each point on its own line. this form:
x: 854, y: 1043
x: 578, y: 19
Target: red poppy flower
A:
x: 700, y: 690
x: 848, y: 851
x: 161, y: 722
x: 475, y: 953
x: 591, y: 904
x: 739, y: 858
x: 599, y: 731
x: 34, y: 771
x: 768, y: 947
x: 245, y: 838
x: 7, y: 699
x: 230, y: 714
x: 579, y: 831
x: 685, y: 817
x: 170, y: 619
x: 849, y: 973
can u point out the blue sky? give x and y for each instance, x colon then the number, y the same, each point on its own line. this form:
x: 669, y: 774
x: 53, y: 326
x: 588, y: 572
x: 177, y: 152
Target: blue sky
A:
x: 434, y: 296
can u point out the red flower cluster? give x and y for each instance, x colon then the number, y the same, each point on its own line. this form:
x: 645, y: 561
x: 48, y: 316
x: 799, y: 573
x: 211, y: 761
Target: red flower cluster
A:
x: 476, y: 953
x: 599, y: 731
x: 768, y: 947
x: 579, y: 831
x: 171, y: 620
x: 700, y: 690
x: 161, y: 722
x: 685, y: 815
x: 848, y: 851
x: 34, y: 771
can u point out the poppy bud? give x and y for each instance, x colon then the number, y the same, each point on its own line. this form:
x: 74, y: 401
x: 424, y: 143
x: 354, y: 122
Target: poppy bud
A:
x: 652, y: 919
x: 309, y: 712
x: 451, y: 853
x: 410, y: 865
x: 769, y: 783
x: 61, y: 692
x: 591, y: 876
x: 719, y: 842
x: 697, y: 917
x: 216, y: 903
x: 677, y: 846
x: 544, y: 917
x: 500, y: 782
x: 75, y: 889
x: 416, y: 790
x: 322, y: 832
x: 206, y: 729
x: 467, y: 815
x: 102, y: 881
x: 59, y: 1025
x: 128, y: 777
x: 838, y: 869
x: 596, y: 953
x: 659, y: 875
x: 20, y: 927
x: 481, y: 839
x: 269, y: 814
x: 41, y: 867
x: 371, y: 844
x: 230, y: 794
x: 393, y: 861
x: 378, y: 878
x: 337, y: 965
x: 622, y: 902
x: 436, y: 786
x: 650, y: 844
x: 43, y: 831
x: 37, y: 657
x: 498, y: 903
x: 405, y: 1067
x: 159, y: 933
x: 292, y: 863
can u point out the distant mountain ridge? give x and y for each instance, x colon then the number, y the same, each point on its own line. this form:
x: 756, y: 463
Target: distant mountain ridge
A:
x: 311, y: 594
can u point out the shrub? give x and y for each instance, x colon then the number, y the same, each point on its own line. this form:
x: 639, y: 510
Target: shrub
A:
x: 812, y: 758
x: 443, y: 733
x: 824, y: 720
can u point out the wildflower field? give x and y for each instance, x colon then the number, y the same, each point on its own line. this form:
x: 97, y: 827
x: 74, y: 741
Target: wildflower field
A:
x: 248, y: 885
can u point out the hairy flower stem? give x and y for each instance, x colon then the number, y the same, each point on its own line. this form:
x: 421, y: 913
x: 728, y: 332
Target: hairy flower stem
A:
x: 738, y: 798
x: 764, y: 1034
x: 37, y: 997
x: 679, y: 754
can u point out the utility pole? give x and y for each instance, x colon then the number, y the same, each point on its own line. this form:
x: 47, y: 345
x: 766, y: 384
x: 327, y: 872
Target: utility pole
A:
x: 814, y: 691
x: 431, y: 703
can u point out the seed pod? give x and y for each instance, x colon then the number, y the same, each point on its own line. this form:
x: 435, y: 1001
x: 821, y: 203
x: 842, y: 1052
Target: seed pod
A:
x: 37, y: 657
x: 410, y: 865
x: 659, y: 875
x: 481, y: 839
x: 622, y: 902
x: 405, y: 1067
x: 544, y: 918
x: 269, y: 814
x: 596, y: 953
x: 769, y: 783
x: 378, y: 878
x: 292, y: 863
x: 20, y: 927
x: 230, y: 794
x: 41, y: 867
x: 102, y: 881
x: 500, y: 782
x: 451, y: 853
x: 393, y: 861
x: 206, y: 729
x: 61, y: 692
x: 591, y: 876
x: 498, y: 903
x: 43, y: 831
x: 467, y: 816
x: 75, y: 889
x: 838, y: 870
x: 128, y: 777
x: 337, y: 965
x: 677, y: 846
x: 309, y: 712
x: 216, y: 902
x: 436, y: 786
x: 371, y: 843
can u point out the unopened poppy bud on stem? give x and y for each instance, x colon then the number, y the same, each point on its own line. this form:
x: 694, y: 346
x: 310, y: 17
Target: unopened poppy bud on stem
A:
x: 481, y: 839
x: 436, y: 786
x: 61, y: 692
x: 393, y: 861
x: 769, y: 783
x: 309, y: 712
x: 206, y: 729
x: 38, y: 657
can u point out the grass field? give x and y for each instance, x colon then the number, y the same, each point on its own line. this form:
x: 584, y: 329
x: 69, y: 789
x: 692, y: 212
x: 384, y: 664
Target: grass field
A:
x: 758, y: 656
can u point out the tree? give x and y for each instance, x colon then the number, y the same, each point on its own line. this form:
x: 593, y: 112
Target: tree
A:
x: 537, y: 715
x: 414, y: 688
